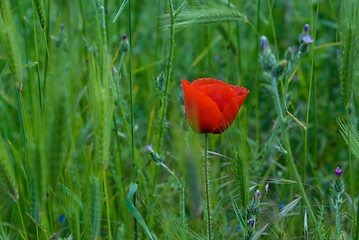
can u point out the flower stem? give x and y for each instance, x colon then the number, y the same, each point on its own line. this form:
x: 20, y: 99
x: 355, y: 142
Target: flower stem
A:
x: 206, y: 186
x: 181, y: 189
x: 134, y: 167
x: 290, y: 156
x: 351, y: 173
x: 337, y: 218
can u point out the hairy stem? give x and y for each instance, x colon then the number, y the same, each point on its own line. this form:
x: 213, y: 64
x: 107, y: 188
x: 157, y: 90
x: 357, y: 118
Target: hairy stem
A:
x: 206, y: 186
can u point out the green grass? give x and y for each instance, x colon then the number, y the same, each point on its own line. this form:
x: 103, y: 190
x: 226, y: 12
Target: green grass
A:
x: 77, y: 109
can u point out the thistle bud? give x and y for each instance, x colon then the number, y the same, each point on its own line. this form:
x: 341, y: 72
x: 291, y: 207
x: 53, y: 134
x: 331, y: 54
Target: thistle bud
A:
x: 306, y: 29
x: 251, y: 223
x: 338, y: 172
x: 265, y: 45
x: 154, y: 156
x: 279, y: 68
x: 289, y: 54
x: 124, y: 45
x: 257, y: 195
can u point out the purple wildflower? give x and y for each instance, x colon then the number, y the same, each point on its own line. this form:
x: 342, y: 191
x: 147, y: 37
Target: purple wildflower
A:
x: 307, y: 39
x: 251, y: 223
x: 149, y: 147
x: 257, y: 195
x: 338, y: 172
x: 62, y: 26
x: 265, y: 44
x: 306, y: 28
x: 124, y: 37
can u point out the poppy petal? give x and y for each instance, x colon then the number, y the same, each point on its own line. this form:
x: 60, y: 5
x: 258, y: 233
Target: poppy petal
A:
x: 230, y: 113
x: 202, y: 112
x: 219, y: 93
x: 206, y: 81
x: 240, y: 90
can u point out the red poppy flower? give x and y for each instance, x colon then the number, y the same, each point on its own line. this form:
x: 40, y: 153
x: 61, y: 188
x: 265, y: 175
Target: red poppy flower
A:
x: 211, y: 105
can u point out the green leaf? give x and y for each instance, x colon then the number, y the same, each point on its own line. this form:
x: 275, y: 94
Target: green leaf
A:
x: 135, y: 213
x: 239, y: 216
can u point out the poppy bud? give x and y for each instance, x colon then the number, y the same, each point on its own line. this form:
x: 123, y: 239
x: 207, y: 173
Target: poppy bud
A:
x: 124, y: 45
x: 279, y: 68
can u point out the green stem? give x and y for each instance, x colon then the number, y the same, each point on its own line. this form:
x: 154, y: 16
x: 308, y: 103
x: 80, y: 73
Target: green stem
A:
x: 337, y: 218
x: 168, y: 78
x: 21, y: 218
x: 357, y: 232
x: 290, y: 156
x: 351, y: 173
x: 206, y: 186
x: 107, y: 204
x: 134, y: 172
x: 36, y: 55
x: 181, y: 188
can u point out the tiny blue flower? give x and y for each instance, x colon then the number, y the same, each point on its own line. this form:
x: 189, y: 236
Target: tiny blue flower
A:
x: 307, y: 39
x: 149, y: 147
x: 281, y: 205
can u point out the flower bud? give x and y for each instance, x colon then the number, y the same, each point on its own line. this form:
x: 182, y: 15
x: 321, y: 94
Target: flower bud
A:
x: 265, y: 45
x: 338, y: 172
x: 124, y: 45
x: 160, y: 82
x: 154, y: 156
x: 279, y: 68
x: 257, y: 195
x: 289, y: 54
x: 306, y: 28
x: 251, y: 223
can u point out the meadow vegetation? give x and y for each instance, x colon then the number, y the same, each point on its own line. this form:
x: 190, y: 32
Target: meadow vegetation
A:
x: 94, y: 139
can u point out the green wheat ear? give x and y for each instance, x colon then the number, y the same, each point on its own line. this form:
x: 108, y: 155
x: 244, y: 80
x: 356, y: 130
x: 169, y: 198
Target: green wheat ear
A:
x: 349, y: 49
x: 101, y: 106
x: 9, y: 40
x: 211, y: 14
x: 95, y: 206
x: 7, y: 173
x: 40, y: 13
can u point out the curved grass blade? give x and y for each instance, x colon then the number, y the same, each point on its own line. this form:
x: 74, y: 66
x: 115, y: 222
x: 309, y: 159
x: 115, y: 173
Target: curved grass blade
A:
x: 120, y: 10
x: 239, y: 216
x: 135, y: 213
